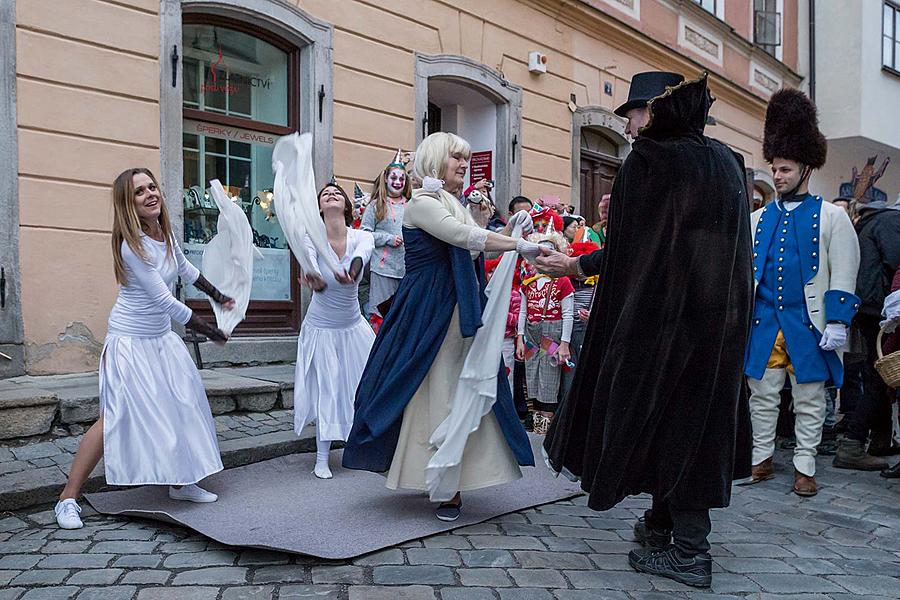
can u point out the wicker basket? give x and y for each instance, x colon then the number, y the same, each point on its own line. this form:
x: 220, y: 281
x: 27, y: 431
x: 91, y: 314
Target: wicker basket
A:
x: 888, y: 366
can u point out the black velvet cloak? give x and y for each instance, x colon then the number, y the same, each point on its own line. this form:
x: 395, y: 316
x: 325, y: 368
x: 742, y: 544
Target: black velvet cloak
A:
x: 658, y: 403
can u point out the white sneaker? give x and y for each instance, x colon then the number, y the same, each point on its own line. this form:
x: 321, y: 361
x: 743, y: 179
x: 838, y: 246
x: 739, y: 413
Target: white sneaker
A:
x: 67, y: 512
x: 191, y: 493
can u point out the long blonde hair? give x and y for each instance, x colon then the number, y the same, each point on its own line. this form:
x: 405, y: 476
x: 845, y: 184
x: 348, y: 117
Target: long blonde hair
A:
x: 127, y: 225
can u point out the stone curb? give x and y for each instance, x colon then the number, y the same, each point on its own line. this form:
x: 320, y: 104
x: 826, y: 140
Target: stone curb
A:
x: 39, y: 486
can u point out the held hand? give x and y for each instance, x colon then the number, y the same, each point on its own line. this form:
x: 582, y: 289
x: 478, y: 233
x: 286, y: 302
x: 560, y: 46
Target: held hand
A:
x: 482, y: 213
x: 564, y: 353
x: 481, y: 185
x: 834, y: 336
x: 228, y: 303
x: 520, y: 349
x: 555, y: 264
x: 343, y: 277
x: 221, y: 338
x: 524, y: 219
x: 584, y: 315
x: 313, y: 281
x: 528, y: 250
x: 398, y: 241
x: 355, y: 267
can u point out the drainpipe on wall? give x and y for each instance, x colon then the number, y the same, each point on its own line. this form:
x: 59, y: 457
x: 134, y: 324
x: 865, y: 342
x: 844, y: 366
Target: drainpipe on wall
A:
x: 812, y: 50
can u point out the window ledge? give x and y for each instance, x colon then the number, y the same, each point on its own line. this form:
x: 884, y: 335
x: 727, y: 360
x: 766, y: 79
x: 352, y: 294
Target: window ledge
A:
x: 890, y: 70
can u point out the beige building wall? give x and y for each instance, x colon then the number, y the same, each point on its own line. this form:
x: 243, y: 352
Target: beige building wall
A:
x: 88, y: 108
x: 88, y: 76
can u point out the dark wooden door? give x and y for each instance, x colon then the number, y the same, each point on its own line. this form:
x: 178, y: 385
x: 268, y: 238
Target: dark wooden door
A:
x: 597, y: 174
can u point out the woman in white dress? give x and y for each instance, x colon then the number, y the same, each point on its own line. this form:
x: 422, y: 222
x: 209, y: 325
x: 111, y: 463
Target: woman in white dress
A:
x: 335, y: 339
x: 155, y: 425
x: 410, y: 380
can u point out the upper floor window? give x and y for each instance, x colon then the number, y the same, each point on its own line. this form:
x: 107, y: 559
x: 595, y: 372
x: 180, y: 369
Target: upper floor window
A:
x: 767, y: 26
x: 709, y: 5
x: 890, y: 38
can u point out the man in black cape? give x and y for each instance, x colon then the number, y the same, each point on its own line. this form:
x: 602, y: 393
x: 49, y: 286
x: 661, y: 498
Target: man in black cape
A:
x: 658, y: 397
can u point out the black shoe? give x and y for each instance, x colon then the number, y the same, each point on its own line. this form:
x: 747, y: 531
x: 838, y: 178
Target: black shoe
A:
x: 827, y: 448
x: 892, y: 472
x: 695, y: 571
x: 654, y: 538
x: 448, y: 511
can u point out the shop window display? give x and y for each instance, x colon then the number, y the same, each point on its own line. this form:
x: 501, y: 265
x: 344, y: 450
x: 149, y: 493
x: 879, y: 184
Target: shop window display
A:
x: 236, y: 105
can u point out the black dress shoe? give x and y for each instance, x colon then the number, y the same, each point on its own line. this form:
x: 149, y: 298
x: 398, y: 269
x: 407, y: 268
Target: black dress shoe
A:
x: 695, y: 571
x: 892, y: 472
x: 448, y: 511
x: 647, y: 536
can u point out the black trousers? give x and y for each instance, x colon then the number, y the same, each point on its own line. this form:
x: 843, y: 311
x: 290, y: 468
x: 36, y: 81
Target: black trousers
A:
x: 690, y: 528
x: 520, y: 398
x: 873, y: 407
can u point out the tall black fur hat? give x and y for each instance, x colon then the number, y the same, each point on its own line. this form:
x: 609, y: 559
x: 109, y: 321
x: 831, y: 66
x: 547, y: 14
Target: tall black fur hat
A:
x: 792, y: 130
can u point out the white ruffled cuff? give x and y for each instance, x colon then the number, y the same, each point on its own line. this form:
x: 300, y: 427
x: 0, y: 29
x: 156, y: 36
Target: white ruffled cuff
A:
x: 477, y: 239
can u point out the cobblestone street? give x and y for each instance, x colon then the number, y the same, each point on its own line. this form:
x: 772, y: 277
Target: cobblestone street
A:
x: 769, y: 545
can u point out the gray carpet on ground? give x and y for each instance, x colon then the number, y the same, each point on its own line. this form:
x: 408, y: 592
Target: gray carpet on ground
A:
x: 279, y: 504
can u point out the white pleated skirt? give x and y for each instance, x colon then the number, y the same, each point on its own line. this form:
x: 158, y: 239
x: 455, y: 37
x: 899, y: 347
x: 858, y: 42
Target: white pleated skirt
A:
x: 157, y: 425
x: 330, y: 363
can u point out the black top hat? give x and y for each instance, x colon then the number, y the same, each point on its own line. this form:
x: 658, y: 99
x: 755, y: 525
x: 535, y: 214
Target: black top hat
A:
x: 645, y: 87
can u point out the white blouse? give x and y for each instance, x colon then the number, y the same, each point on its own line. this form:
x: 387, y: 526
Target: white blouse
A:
x: 337, y: 306
x: 146, y: 304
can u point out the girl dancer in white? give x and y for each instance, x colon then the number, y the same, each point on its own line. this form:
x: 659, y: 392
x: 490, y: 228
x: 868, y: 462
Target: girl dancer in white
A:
x: 335, y: 339
x: 155, y: 426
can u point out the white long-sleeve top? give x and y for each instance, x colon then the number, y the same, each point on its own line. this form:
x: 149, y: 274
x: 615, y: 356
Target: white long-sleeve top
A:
x: 337, y: 306
x: 567, y: 307
x: 146, y: 304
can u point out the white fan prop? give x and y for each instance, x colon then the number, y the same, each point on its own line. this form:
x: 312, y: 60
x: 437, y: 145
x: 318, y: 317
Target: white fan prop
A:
x: 228, y: 259
x: 477, y: 388
x: 295, y: 200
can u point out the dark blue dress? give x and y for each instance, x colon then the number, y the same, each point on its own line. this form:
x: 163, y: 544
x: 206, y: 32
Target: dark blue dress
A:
x: 438, y: 277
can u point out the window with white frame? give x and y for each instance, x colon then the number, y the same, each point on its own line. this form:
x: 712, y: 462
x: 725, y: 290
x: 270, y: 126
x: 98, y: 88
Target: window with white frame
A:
x: 767, y: 26
x: 708, y: 5
x: 890, y: 37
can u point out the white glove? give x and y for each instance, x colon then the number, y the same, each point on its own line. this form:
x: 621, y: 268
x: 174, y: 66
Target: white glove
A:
x: 834, y: 337
x: 891, y: 310
x: 524, y: 219
x: 528, y: 250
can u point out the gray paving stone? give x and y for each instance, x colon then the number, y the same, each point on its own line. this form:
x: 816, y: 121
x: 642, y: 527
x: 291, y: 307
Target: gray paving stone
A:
x: 338, y: 574
x: 40, y: 577
x: 537, y: 578
x: 147, y: 576
x: 868, y: 585
x: 525, y: 594
x: 262, y: 557
x: 20, y: 546
x: 11, y: 593
x: 76, y: 561
x: 6, y: 455
x: 124, y: 534
x: 818, y: 566
x: 280, y: 573
x: 466, y: 593
x: 457, y: 542
x: 54, y: 593
x: 35, y: 451
x: 207, y: 558
x: 212, y: 576
x: 584, y: 533
x: 95, y: 577
x: 565, y: 520
x: 793, y: 584
x: 525, y: 529
x: 555, y: 544
x: 756, y: 565
x: 311, y: 592
x: 403, y: 575
x: 19, y: 561
x: 609, y: 580
x: 610, y: 547
x: 66, y: 546
x: 433, y: 556
x: 183, y: 547
x: 124, y: 547
x: 502, y: 542
x: 12, y: 524
x: 484, y: 577
x: 195, y: 593
x: 391, y: 556
x: 250, y: 592
x: 552, y: 560
x: 42, y: 462
x: 147, y: 561
x: 116, y: 592
x: 732, y: 583
x: 7, y: 575
x: 590, y: 595
x: 757, y: 551
x: 487, y: 558
x: 413, y: 592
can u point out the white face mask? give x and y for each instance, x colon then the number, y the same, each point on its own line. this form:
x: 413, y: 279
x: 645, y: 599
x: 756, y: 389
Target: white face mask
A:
x: 396, y: 181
